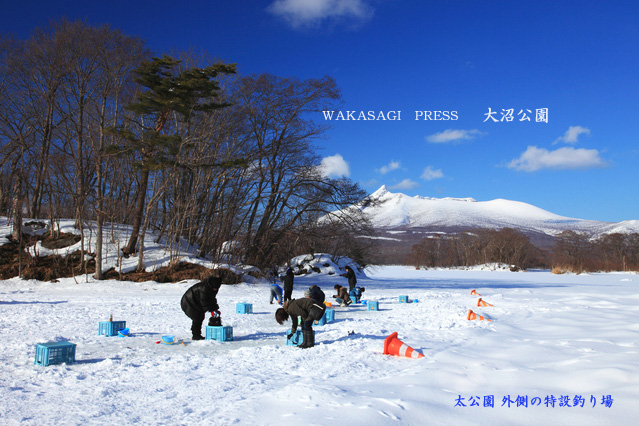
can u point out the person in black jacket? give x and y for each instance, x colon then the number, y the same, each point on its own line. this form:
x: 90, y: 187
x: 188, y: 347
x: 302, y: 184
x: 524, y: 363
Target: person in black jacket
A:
x: 288, y: 284
x: 352, y: 279
x: 315, y: 292
x: 200, y: 299
x: 309, y: 310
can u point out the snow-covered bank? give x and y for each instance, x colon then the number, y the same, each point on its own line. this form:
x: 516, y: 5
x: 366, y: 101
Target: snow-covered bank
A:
x: 572, y: 338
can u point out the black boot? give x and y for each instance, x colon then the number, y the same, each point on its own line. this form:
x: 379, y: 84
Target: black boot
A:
x: 309, y: 339
x: 196, y: 328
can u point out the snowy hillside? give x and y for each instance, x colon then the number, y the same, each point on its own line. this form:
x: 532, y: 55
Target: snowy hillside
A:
x: 396, y: 210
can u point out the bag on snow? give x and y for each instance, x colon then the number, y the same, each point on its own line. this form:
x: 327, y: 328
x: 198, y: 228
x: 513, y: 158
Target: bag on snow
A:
x: 317, y: 311
x: 215, y: 321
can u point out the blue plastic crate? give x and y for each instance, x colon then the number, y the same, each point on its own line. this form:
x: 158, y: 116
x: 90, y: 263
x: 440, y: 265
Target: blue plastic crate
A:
x: 244, y: 308
x: 221, y: 334
x: 54, y: 353
x: 296, y: 339
x: 321, y: 321
x: 373, y: 305
x: 403, y: 299
x: 330, y: 315
x: 110, y: 328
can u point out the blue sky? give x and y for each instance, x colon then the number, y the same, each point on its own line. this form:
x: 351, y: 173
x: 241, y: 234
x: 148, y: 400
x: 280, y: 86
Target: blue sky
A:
x: 577, y: 59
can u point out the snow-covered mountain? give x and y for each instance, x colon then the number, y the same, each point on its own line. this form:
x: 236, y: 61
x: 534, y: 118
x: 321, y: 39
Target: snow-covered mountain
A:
x: 399, y: 211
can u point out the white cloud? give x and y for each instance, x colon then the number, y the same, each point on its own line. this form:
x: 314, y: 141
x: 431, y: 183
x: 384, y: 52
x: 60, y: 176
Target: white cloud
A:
x: 430, y: 174
x: 452, y: 135
x: 334, y: 166
x: 393, y: 165
x: 405, y: 184
x: 300, y: 13
x: 535, y: 158
x: 572, y: 134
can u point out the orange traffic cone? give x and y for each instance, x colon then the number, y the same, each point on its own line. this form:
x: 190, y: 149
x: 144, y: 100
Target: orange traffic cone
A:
x: 474, y: 293
x: 481, y: 302
x: 473, y: 316
x: 394, y: 346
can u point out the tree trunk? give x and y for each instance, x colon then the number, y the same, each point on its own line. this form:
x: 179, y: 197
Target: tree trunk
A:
x: 17, y: 208
x: 42, y: 164
x: 100, y: 197
x: 138, y: 213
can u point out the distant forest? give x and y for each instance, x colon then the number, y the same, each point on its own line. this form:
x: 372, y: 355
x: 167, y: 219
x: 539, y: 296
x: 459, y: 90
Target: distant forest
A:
x: 572, y: 251
x: 94, y: 127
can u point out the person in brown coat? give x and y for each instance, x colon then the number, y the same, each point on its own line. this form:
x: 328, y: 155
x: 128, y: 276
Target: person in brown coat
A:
x: 308, y: 310
x: 342, y: 297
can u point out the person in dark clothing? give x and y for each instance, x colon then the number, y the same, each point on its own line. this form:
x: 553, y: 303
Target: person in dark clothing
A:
x: 200, y: 299
x: 316, y: 293
x: 352, y: 279
x: 342, y: 297
x: 309, y: 310
x: 288, y: 284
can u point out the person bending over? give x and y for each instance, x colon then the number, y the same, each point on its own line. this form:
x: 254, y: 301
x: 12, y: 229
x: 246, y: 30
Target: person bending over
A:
x: 309, y: 310
x: 200, y: 299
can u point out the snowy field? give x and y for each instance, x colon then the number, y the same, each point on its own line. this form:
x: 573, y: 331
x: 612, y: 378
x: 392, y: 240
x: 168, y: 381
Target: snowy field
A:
x: 567, y: 340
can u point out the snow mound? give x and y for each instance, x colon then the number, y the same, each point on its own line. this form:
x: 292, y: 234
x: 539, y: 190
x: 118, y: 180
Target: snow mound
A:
x: 492, y: 267
x: 326, y: 264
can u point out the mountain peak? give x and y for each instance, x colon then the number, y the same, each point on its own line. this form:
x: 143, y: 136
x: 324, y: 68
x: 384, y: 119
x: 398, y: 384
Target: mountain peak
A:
x: 383, y: 192
x: 380, y: 192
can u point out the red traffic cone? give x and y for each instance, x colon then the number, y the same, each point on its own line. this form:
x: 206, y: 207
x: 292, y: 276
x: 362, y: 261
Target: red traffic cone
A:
x: 481, y: 302
x: 473, y: 316
x: 474, y: 293
x: 394, y: 346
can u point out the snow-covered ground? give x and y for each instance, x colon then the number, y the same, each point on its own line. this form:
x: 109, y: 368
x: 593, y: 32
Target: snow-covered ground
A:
x: 570, y: 339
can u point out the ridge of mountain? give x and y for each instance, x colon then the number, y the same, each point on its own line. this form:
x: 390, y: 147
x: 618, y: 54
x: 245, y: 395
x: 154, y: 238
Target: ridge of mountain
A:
x: 388, y: 211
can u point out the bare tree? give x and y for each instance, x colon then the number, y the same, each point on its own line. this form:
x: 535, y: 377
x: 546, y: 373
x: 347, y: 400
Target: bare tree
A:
x: 571, y: 248
x: 117, y: 55
x: 42, y: 71
x: 479, y: 246
x: 281, y: 130
x: 16, y: 129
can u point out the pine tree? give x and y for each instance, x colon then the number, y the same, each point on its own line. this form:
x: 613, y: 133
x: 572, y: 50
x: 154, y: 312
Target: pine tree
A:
x: 165, y: 91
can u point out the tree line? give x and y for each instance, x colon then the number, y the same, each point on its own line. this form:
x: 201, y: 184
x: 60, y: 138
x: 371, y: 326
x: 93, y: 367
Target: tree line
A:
x: 577, y: 252
x: 96, y: 128
x: 571, y: 251
x: 476, y: 247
